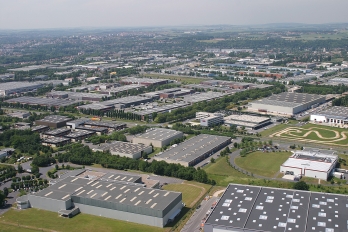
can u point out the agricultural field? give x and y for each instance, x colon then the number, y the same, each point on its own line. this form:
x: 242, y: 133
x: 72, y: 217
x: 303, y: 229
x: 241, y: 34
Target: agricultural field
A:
x: 265, y: 164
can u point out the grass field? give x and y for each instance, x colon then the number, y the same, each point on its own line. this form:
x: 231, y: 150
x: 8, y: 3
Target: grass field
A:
x: 263, y: 163
x: 15, y: 228
x: 190, y: 191
x: 310, y: 133
x: 274, y: 129
x: 82, y: 222
x: 183, y: 79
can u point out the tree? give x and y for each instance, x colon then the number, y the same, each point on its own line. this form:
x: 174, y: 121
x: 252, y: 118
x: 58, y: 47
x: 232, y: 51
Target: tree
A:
x: 2, y: 198
x: 212, y: 160
x: 20, y: 168
x: 57, y: 167
x: 6, y: 192
x: 35, y: 169
x: 301, y: 185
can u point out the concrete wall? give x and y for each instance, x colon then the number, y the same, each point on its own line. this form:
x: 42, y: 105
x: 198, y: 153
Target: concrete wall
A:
x: 121, y: 215
x: 316, y: 174
x: 48, y: 204
x: 272, y: 108
x: 317, y: 118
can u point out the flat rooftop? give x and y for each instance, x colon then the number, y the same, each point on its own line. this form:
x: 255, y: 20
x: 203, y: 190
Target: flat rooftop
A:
x: 204, y: 96
x: 56, y: 140
x: 39, y: 127
x: 142, y: 80
x: 121, y: 147
x: 95, y: 106
x: 55, y: 119
x: 57, y: 131
x: 193, y: 148
x: 43, y: 101
x: 159, y: 134
x: 109, y: 191
x: 311, y: 160
x: 18, y: 85
x: 107, y: 124
x: 270, y: 209
x: 247, y: 118
x: 160, y: 109
x: 125, y: 100
x: 290, y: 99
x: 77, y: 134
x: 339, y: 112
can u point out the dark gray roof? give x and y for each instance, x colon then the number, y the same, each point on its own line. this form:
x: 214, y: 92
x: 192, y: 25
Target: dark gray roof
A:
x: 159, y: 134
x: 57, y: 131
x: 339, y: 112
x: 77, y: 134
x: 43, y: 101
x: 56, y: 140
x: 121, y: 147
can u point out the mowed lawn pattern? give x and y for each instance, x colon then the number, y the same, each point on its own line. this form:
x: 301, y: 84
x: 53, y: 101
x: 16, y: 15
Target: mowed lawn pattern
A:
x: 82, y: 222
x: 263, y: 163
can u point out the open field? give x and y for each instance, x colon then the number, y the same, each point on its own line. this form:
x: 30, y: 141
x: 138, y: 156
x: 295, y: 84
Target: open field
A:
x: 41, y: 219
x: 191, y: 191
x: 274, y: 129
x: 183, y: 79
x: 263, y: 163
x: 311, y: 133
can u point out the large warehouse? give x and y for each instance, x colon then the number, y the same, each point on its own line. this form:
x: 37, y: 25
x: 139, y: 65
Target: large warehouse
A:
x: 251, y: 208
x: 248, y: 121
x: 9, y: 88
x: 194, y: 150
x: 334, y: 116
x: 313, y: 164
x: 53, y: 121
x: 287, y: 103
x: 158, y: 137
x: 116, y: 196
x: 125, y: 149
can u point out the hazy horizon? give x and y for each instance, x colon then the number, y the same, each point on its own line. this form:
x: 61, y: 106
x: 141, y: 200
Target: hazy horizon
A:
x: 61, y: 14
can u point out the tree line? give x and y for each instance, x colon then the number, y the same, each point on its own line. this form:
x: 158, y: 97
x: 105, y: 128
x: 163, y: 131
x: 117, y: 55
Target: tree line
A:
x: 83, y: 155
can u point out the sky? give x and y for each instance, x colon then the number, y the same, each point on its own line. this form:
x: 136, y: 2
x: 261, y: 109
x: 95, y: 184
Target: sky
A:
x: 41, y: 14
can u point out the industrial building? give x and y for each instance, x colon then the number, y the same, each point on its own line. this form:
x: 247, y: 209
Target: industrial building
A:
x: 143, y: 81
x: 111, y: 195
x: 88, y: 123
x: 11, y: 88
x: 40, y: 128
x: 212, y: 88
x: 19, y: 114
x: 287, y: 103
x: 125, y: 102
x: 79, y: 135
x: 315, y: 164
x: 158, y: 137
x: 209, y: 119
x: 121, y: 89
x: 130, y: 150
x: 194, y: 150
x: 253, y: 208
x: 98, y: 130
x: 49, y: 102
x: 95, y: 106
x: 334, y: 116
x: 204, y: 96
x: 77, y: 96
x: 53, y: 121
x: 247, y: 121
x: 55, y: 141
x: 168, y: 93
x: 161, y: 109
x: 56, y: 133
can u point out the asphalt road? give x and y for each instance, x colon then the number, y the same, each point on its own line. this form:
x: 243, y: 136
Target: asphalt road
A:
x: 194, y: 223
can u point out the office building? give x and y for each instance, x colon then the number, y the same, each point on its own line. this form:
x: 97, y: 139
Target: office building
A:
x: 53, y: 121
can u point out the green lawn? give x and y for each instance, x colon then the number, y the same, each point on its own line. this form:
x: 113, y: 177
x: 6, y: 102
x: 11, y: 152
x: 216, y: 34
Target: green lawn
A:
x: 263, y: 163
x: 190, y: 191
x: 82, y: 222
x: 14, y: 228
x: 274, y: 129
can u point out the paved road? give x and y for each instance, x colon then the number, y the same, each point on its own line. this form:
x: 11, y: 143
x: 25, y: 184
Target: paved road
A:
x: 194, y: 223
x: 11, y: 198
x: 165, y: 179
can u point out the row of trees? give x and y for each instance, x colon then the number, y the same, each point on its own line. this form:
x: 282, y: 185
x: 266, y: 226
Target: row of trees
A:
x: 343, y: 101
x: 83, y: 155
